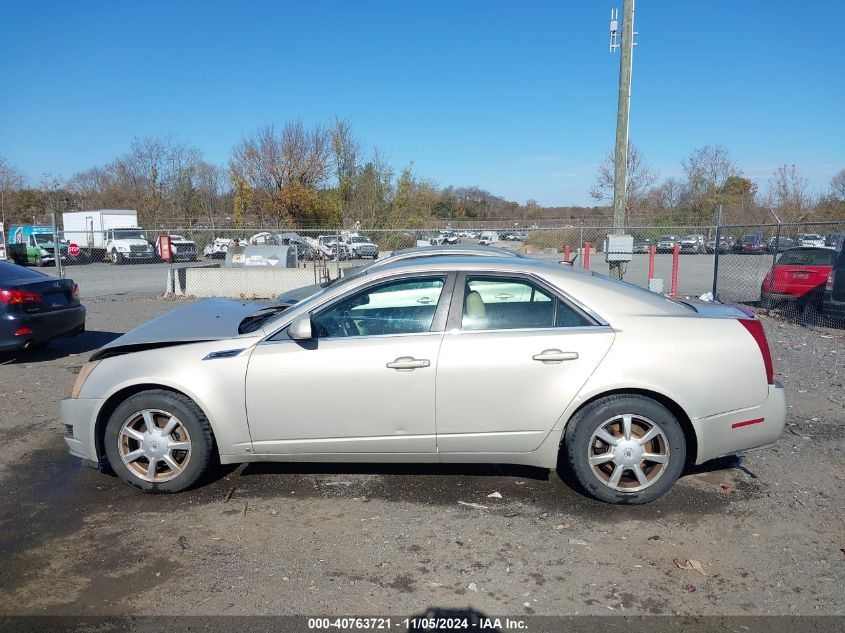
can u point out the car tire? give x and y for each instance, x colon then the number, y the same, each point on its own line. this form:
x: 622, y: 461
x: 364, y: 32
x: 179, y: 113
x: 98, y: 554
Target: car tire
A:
x: 130, y: 445
x: 606, y: 417
x: 116, y: 258
x: 39, y: 261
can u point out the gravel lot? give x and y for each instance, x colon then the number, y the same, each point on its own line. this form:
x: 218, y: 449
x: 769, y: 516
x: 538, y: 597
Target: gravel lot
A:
x: 304, y: 539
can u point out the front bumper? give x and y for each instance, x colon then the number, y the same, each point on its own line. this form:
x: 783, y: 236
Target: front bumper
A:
x: 742, y: 430
x: 80, y: 418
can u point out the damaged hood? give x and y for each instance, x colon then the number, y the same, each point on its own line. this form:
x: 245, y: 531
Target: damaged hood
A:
x: 209, y: 320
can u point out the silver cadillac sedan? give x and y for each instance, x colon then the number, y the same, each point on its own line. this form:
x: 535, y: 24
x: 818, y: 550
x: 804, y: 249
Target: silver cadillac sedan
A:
x: 447, y: 359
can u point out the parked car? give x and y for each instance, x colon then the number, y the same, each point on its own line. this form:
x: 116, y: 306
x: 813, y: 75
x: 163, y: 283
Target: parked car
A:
x: 780, y: 244
x: 35, y: 308
x: 181, y: 249
x: 361, y: 247
x: 810, y: 239
x: 693, y: 244
x: 219, y: 247
x: 642, y: 245
x: 666, y: 243
x: 726, y: 244
x: 834, y: 240
x: 751, y: 244
x: 800, y: 273
x: 328, y: 379
x: 833, y: 305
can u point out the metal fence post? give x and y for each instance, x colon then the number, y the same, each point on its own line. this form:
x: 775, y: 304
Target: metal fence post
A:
x: 581, y: 244
x: 716, y: 249
x: 772, y: 270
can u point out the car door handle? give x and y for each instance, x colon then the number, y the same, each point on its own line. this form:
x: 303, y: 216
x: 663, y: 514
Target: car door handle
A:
x: 425, y: 300
x: 504, y: 296
x: 554, y: 356
x: 408, y: 363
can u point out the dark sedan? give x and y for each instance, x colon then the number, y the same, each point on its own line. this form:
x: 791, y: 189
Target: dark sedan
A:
x: 35, y: 308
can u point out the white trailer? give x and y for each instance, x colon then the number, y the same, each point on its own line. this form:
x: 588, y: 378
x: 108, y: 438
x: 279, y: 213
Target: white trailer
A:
x: 90, y: 230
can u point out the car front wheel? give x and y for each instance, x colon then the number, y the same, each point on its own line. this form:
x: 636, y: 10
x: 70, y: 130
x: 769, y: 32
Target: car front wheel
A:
x: 159, y: 441
x: 625, y: 449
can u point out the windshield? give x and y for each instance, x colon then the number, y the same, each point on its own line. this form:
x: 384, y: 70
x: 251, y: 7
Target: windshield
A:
x: 667, y: 238
x: 128, y: 234
x: 360, y: 240
x: 812, y: 237
x: 43, y: 238
x: 749, y: 239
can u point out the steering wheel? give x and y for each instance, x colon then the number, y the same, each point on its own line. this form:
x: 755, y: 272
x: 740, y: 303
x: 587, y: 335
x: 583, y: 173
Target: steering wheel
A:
x: 347, y: 325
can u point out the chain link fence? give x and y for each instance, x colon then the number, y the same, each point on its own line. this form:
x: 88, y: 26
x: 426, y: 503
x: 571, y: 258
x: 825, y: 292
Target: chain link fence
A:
x: 782, y: 268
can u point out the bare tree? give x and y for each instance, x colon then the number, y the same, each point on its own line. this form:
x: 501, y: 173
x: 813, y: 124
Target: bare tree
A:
x: 707, y: 169
x: 640, y: 178
x: 10, y: 182
x: 283, y: 170
x: 837, y: 187
x: 345, y: 152
x: 789, y: 194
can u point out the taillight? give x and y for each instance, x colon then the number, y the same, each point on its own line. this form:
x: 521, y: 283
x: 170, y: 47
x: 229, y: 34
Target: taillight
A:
x: 755, y: 329
x: 11, y: 297
x: 829, y: 285
x: 74, y: 293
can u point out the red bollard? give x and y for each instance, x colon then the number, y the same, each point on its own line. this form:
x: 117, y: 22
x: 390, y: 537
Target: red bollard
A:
x: 587, y: 255
x: 675, y: 270
x: 651, y: 252
x: 566, y: 253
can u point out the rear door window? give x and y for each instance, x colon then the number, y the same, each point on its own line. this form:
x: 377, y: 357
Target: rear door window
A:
x: 503, y: 303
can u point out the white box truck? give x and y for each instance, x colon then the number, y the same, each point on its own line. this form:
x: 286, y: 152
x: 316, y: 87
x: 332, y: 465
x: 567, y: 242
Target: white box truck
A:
x: 111, y: 234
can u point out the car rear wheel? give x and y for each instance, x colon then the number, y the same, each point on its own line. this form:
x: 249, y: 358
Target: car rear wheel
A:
x: 625, y: 449
x: 159, y: 441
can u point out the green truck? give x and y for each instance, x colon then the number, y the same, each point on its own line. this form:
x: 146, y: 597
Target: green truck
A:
x: 33, y: 244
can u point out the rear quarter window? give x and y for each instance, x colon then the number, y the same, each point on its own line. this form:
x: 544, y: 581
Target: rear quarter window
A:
x: 11, y: 271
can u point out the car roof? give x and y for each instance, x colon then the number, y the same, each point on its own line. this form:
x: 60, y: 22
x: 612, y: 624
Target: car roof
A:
x: 453, y: 249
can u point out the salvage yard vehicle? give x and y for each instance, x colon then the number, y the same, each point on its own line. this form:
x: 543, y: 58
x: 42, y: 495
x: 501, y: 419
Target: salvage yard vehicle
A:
x: 181, y: 249
x: 666, y: 243
x: 833, y: 306
x: 35, y: 308
x: 30, y: 244
x: 800, y: 273
x: 693, y: 244
x: 752, y: 244
x: 811, y: 239
x: 127, y: 245
x: 563, y: 372
x: 361, y: 247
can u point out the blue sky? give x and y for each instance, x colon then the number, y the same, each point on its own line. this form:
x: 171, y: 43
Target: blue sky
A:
x: 516, y: 97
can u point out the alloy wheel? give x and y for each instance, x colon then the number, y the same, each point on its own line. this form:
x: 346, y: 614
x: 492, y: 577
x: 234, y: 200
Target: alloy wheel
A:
x: 628, y: 453
x: 154, y: 445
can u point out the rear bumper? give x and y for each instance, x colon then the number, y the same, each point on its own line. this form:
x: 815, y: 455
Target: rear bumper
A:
x: 742, y: 430
x: 80, y: 418
x: 44, y: 327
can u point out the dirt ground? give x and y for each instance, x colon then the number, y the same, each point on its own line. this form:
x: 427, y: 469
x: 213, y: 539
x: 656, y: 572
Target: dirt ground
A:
x: 768, y: 530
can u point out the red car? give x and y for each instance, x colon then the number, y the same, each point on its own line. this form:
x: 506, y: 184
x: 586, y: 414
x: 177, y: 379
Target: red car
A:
x: 800, y: 273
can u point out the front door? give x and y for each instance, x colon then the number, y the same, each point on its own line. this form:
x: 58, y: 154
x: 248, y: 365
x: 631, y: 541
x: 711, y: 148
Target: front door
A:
x: 510, y: 364
x: 364, y: 384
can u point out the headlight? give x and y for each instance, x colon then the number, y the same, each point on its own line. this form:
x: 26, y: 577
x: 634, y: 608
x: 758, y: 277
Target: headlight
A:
x: 122, y: 248
x: 86, y: 370
x: 43, y: 251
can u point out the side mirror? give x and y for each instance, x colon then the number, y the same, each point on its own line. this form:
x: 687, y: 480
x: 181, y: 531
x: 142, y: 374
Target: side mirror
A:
x: 300, y: 328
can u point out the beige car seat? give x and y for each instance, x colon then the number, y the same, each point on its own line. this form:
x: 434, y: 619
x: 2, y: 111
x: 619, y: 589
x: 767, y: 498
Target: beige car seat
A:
x: 475, y: 313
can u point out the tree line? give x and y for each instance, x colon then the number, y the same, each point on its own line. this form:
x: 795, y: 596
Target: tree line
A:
x: 302, y: 176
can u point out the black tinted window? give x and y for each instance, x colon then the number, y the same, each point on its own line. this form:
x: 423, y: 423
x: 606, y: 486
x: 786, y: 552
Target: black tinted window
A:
x: 808, y: 257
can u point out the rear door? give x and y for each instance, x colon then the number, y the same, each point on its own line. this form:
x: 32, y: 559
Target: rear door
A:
x: 514, y: 356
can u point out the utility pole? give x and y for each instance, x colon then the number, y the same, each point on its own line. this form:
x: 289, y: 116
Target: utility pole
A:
x: 620, y: 158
